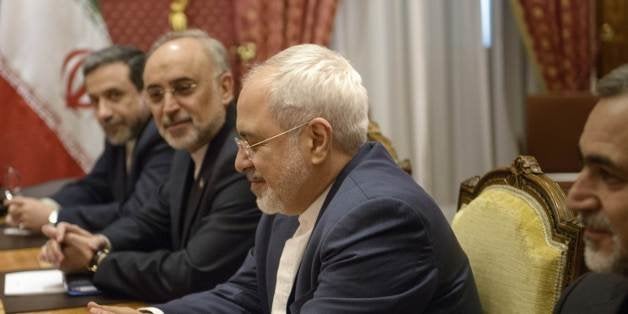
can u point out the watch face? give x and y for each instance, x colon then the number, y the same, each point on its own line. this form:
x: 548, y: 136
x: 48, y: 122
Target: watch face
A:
x: 53, y: 217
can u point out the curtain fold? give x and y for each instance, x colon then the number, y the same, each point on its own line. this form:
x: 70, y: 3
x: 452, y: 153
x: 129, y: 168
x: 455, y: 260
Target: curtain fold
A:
x: 442, y: 97
x: 264, y: 28
x: 559, y: 35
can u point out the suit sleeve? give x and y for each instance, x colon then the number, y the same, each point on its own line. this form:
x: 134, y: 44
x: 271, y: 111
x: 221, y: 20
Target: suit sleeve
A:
x: 213, y: 253
x: 93, y: 188
x: 238, y: 295
x: 376, y: 259
x: 155, y: 165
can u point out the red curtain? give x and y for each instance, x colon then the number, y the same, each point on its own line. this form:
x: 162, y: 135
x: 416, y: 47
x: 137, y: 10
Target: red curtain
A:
x: 268, y: 27
x: 252, y: 30
x: 559, y: 38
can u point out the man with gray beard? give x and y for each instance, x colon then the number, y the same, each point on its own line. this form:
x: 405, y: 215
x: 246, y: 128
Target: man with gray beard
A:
x: 344, y: 229
x: 599, y: 197
x: 198, y: 226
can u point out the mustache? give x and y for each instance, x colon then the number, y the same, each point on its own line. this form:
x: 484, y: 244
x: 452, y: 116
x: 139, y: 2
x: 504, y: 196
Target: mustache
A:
x: 596, y: 222
x: 167, y: 121
x: 252, y: 176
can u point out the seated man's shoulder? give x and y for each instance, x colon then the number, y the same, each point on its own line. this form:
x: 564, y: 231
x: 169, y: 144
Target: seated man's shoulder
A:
x: 604, y: 293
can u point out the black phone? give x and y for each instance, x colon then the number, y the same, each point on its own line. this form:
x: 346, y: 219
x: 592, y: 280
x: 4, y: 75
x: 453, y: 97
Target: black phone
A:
x: 80, y: 285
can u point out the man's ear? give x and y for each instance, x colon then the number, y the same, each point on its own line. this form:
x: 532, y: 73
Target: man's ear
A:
x: 320, y: 135
x: 226, y: 88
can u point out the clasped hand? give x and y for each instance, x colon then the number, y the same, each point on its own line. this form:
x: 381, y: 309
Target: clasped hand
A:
x: 70, y: 247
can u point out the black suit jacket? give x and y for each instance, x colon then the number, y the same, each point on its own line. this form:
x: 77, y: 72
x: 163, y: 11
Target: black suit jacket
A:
x: 174, y: 246
x: 380, y: 245
x: 595, y: 293
x: 108, y: 191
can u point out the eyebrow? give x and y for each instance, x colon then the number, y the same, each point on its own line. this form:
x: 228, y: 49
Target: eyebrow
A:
x: 598, y: 160
x: 175, y: 81
x: 603, y: 161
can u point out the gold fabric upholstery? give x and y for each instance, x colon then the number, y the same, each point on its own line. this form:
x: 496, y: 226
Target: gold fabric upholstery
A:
x: 523, y: 245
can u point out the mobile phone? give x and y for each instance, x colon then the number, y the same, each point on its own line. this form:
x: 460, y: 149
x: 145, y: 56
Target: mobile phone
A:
x: 80, y: 285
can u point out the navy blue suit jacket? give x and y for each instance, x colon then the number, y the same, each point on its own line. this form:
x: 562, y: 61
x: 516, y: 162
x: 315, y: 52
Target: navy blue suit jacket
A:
x: 380, y: 245
x: 108, y: 191
x: 595, y: 293
x: 171, y: 246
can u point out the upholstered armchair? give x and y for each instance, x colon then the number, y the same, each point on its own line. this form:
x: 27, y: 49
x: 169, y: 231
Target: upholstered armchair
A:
x: 523, y: 244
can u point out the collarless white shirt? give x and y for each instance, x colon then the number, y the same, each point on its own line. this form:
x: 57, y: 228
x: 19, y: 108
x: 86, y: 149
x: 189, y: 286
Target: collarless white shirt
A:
x: 293, y: 253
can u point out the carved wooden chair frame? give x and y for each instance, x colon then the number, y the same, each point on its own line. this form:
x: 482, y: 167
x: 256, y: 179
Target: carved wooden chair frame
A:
x: 525, y: 174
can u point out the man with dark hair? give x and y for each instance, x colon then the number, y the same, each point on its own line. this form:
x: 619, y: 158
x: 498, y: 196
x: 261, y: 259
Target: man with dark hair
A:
x: 599, y: 197
x: 344, y: 229
x: 197, y: 228
x: 135, y: 161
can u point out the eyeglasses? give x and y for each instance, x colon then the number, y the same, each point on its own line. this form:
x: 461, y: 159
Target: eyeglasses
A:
x: 156, y: 94
x: 249, y: 149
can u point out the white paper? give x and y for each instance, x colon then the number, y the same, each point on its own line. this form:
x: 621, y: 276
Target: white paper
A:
x: 34, y: 282
x: 12, y: 231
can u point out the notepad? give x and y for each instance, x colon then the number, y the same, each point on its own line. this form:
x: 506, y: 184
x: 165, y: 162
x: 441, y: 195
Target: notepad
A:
x: 33, y: 282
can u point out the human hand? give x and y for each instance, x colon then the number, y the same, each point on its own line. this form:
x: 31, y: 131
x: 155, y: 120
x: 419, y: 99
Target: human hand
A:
x: 70, y: 248
x: 27, y: 212
x: 95, y: 308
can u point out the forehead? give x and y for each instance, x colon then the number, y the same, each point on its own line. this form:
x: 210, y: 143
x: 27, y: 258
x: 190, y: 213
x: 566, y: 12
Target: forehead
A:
x: 108, y: 75
x: 175, y: 59
x: 252, y: 108
x: 606, y: 130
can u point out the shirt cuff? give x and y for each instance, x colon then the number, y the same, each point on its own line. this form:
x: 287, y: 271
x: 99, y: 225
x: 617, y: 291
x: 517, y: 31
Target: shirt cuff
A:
x: 150, y: 309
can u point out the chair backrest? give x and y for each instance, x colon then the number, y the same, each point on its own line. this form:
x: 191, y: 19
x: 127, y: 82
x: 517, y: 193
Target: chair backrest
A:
x: 524, y: 246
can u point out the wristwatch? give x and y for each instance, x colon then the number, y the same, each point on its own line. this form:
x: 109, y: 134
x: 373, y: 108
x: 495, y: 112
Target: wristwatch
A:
x: 53, y: 217
x: 97, y: 258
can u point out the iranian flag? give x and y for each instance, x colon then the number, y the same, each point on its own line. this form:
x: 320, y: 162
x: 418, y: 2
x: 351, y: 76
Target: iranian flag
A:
x: 47, y: 129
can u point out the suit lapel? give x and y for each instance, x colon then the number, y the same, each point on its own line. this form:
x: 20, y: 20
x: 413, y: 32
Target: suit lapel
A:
x: 199, y: 205
x: 283, y: 227
x: 180, y: 179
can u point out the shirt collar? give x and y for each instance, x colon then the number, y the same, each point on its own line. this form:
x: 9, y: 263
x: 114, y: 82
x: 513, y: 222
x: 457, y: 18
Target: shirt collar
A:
x: 307, y: 219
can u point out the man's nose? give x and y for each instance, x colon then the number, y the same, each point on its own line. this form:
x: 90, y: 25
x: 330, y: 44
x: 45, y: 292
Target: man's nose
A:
x: 582, y: 195
x: 103, y: 112
x: 242, y: 161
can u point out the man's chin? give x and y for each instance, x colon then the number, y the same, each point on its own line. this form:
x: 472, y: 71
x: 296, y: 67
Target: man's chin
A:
x: 186, y: 142
x: 118, y: 139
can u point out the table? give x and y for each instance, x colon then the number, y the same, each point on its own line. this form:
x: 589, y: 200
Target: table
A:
x: 26, y: 258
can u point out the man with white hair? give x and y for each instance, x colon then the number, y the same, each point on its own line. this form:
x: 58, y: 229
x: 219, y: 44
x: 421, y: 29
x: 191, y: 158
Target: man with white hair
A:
x: 599, y: 197
x: 345, y: 230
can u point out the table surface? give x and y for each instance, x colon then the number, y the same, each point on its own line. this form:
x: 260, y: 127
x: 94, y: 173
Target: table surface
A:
x: 20, y: 259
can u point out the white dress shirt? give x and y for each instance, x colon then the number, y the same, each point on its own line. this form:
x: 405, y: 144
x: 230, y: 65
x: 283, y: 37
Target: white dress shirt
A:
x: 290, y: 257
x: 293, y: 253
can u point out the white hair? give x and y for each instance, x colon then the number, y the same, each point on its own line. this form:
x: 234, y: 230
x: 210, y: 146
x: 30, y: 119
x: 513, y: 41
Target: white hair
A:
x: 309, y: 81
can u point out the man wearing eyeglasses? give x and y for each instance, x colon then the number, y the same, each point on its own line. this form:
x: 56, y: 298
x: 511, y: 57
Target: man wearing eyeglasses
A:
x: 136, y: 159
x: 200, y: 224
x: 345, y: 230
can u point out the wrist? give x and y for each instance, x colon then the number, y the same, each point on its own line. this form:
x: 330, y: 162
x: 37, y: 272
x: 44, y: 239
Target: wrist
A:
x: 98, y: 257
x: 53, y: 217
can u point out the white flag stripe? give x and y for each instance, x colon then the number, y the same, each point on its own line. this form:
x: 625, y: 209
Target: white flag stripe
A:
x: 36, y: 37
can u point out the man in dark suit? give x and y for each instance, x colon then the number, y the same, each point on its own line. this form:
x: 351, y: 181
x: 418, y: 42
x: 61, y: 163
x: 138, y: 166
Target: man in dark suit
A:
x: 136, y: 159
x: 599, y: 197
x: 197, y: 228
x: 345, y: 230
